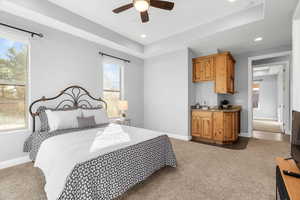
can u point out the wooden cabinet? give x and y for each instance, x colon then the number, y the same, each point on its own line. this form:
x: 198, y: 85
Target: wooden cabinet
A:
x: 203, y: 69
x: 224, y: 80
x: 202, y: 124
x: 218, y: 119
x: 229, y: 126
x: 216, y: 126
x: 218, y: 68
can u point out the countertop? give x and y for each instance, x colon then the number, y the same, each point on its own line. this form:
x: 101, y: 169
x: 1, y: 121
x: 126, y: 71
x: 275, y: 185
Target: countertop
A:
x: 232, y: 109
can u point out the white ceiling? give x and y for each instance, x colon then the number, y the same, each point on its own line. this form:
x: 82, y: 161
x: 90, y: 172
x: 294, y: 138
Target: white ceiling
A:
x: 186, y: 15
x: 275, y: 28
x: 211, y: 24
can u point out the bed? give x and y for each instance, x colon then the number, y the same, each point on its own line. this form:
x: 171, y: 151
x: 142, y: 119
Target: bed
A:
x: 91, y: 162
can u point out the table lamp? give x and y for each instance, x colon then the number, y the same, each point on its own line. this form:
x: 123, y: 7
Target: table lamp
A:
x: 123, y: 106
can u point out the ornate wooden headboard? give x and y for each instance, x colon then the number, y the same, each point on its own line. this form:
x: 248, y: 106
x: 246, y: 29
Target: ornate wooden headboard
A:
x: 72, y: 97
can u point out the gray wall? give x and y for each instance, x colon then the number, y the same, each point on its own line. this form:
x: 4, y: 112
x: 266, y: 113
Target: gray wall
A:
x: 166, y: 93
x: 59, y: 60
x: 268, y: 98
x: 205, y: 91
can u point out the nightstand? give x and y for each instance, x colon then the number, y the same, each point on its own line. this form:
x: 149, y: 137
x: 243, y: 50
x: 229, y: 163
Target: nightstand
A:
x: 123, y: 121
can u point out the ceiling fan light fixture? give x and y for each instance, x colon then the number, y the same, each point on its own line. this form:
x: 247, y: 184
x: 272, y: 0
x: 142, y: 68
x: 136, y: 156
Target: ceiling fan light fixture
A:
x: 141, y: 5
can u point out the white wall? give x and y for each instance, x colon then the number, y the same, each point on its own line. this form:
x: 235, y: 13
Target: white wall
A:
x: 166, y: 93
x: 268, y: 98
x: 59, y: 60
x: 52, y: 15
x: 241, y: 82
x: 296, y: 64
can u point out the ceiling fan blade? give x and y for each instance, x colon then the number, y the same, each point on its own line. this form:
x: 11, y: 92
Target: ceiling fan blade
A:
x: 145, y: 16
x: 123, y: 8
x: 166, y: 5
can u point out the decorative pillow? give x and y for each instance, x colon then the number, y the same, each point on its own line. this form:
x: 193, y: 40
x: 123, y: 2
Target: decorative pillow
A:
x: 86, y: 122
x: 43, y: 118
x: 65, y: 119
x: 99, y: 114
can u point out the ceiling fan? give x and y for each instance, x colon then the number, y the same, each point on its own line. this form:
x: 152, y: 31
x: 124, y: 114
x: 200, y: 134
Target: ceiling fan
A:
x: 143, y: 5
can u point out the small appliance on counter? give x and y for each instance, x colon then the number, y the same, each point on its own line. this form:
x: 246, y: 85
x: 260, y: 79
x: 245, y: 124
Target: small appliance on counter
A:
x: 225, y: 104
x: 196, y: 106
x: 202, y: 107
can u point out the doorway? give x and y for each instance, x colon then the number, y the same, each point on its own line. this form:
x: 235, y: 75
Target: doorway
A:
x: 269, y: 96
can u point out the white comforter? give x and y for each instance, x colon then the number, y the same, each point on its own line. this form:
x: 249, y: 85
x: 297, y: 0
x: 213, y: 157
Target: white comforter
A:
x: 59, y: 154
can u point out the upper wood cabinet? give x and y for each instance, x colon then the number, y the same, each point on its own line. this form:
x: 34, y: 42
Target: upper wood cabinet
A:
x: 204, y: 69
x: 224, y: 64
x: 218, y: 68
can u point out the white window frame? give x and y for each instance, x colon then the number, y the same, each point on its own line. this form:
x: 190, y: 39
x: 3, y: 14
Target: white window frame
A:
x: 23, y: 38
x: 122, y: 91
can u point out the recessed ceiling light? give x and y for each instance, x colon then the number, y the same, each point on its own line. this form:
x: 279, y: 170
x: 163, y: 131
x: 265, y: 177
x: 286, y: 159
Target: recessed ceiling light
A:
x: 231, y: 1
x: 143, y: 36
x: 258, y: 39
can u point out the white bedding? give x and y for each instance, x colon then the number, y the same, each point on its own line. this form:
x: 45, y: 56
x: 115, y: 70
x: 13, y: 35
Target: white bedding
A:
x: 59, y: 154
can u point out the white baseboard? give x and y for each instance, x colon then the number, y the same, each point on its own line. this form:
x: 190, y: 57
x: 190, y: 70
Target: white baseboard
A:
x: 13, y: 162
x: 267, y: 119
x: 188, y: 138
x: 244, y: 134
x: 180, y: 137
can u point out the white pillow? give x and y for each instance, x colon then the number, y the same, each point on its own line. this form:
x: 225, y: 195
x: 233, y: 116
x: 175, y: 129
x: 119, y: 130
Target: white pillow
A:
x: 64, y: 119
x: 99, y: 114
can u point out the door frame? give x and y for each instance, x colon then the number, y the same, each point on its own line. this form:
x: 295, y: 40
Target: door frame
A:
x: 250, y: 80
x: 285, y: 65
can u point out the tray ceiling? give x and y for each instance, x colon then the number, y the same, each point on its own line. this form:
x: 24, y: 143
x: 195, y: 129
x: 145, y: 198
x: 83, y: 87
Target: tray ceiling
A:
x: 186, y: 15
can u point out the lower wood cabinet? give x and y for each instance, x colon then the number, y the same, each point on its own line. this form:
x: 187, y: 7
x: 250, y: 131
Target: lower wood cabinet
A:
x: 202, y: 124
x: 216, y: 126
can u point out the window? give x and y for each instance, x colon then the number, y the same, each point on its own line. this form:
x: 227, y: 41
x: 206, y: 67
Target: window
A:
x: 112, y: 85
x: 13, y: 80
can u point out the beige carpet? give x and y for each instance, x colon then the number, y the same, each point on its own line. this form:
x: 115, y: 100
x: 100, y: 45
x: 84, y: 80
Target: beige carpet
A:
x: 204, y: 172
x: 267, y: 126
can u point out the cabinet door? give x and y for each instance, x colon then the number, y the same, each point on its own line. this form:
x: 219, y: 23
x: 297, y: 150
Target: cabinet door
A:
x: 230, y: 75
x: 196, y: 125
x: 202, y: 124
x: 221, y: 74
x: 218, y: 122
x: 204, y: 69
x: 197, y: 74
x: 229, y: 127
x: 237, y: 125
x: 208, y: 72
x: 206, y: 125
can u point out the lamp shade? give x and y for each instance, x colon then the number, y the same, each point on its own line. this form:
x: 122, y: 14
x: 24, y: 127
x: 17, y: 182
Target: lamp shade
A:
x: 123, y: 105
